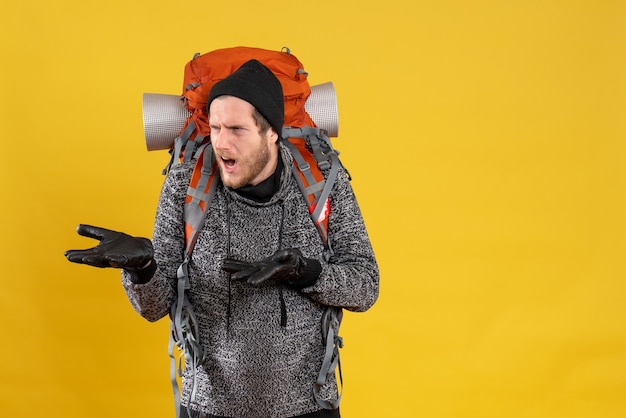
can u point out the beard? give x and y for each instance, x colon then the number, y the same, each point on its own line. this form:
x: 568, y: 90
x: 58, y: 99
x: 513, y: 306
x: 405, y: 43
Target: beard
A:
x: 249, y: 166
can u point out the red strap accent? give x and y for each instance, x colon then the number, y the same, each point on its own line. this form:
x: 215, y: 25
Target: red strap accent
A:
x: 322, y: 223
x: 190, y: 233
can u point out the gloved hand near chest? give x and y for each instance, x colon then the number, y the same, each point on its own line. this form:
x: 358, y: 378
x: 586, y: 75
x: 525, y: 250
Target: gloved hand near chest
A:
x: 116, y: 249
x: 286, y: 266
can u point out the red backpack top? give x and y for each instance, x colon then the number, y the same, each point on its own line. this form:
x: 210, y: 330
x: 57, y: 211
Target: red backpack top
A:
x: 203, y: 71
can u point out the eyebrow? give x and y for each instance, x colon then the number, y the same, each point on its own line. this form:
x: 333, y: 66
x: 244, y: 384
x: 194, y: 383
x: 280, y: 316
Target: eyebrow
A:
x: 233, y: 126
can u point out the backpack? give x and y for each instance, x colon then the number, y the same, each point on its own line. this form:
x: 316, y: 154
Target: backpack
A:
x: 316, y: 166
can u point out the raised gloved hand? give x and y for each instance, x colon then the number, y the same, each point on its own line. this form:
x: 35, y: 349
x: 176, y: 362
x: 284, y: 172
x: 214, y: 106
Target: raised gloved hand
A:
x: 288, y: 266
x: 116, y: 249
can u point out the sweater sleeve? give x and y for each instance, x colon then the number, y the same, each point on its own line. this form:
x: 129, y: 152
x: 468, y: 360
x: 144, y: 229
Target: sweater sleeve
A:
x: 350, y: 279
x: 154, y: 299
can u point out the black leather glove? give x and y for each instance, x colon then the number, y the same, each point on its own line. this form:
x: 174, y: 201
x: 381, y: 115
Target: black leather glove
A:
x: 288, y: 266
x: 116, y: 249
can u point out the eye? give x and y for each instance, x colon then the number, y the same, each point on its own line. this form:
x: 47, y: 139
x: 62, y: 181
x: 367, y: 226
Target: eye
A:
x: 237, y: 130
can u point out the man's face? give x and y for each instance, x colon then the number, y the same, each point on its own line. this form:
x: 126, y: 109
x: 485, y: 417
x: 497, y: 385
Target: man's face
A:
x: 244, y: 156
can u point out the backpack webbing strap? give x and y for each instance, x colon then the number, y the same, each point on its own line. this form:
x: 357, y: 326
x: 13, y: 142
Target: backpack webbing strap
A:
x: 184, y: 335
x: 185, y: 141
x: 332, y: 175
x: 184, y: 145
x: 331, y: 320
x: 313, y: 186
x: 170, y: 351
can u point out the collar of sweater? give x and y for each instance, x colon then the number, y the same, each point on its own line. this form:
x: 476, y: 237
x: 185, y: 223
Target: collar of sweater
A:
x: 264, y: 191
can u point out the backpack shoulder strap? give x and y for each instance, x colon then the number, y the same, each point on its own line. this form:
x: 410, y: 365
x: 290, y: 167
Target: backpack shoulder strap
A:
x: 184, y: 327
x: 200, y: 193
x: 316, y: 166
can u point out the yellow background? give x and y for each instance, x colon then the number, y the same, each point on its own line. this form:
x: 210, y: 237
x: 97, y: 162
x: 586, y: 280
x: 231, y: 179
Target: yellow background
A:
x: 486, y: 143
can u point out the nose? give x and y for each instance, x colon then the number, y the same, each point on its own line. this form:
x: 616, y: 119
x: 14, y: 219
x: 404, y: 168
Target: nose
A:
x: 219, y: 138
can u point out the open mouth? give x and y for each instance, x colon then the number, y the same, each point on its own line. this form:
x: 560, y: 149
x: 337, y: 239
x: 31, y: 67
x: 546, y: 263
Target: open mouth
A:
x: 228, y: 162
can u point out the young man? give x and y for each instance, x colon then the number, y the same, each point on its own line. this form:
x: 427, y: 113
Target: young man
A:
x: 260, y: 283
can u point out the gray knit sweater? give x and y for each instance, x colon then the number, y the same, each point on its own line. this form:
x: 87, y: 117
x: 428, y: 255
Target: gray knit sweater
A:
x: 255, y: 366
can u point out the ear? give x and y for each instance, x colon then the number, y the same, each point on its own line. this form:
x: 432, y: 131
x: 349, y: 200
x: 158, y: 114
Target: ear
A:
x: 272, y: 136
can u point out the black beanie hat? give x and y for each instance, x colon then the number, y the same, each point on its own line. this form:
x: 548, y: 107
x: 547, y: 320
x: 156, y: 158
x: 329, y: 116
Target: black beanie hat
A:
x: 257, y: 85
